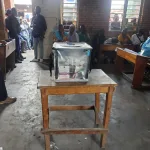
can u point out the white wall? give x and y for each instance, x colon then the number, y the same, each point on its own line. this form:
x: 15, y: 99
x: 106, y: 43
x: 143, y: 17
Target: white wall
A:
x: 23, y: 2
x: 50, y: 9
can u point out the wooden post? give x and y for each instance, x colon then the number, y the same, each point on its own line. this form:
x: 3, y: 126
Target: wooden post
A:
x: 139, y: 71
x: 107, y: 114
x: 97, y: 105
x: 3, y: 34
x: 45, y: 113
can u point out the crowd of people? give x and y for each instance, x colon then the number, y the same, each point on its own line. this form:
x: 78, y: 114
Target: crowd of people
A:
x: 26, y: 36
x: 31, y: 36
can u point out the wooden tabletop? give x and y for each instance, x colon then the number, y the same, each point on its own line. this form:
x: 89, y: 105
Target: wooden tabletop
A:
x: 96, y: 78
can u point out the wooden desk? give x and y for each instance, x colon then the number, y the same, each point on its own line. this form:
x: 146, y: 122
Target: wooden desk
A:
x: 7, y: 56
x: 98, y: 83
x: 139, y: 61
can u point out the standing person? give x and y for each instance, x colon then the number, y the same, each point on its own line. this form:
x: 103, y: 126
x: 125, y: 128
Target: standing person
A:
x: 39, y: 29
x: 8, y: 14
x: 124, y: 37
x: 98, y: 39
x: 115, y: 24
x: 4, y: 99
x: 60, y: 35
x: 83, y: 35
x: 137, y: 40
x: 31, y: 28
x: 13, y: 26
x: 73, y: 36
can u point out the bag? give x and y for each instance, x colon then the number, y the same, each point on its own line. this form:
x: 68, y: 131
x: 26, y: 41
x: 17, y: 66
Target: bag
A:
x: 146, y: 48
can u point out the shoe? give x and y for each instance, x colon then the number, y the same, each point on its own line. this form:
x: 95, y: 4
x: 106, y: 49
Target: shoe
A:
x: 23, y: 51
x: 22, y: 57
x: 18, y: 61
x: 41, y: 60
x: 34, y: 60
x: 9, y: 100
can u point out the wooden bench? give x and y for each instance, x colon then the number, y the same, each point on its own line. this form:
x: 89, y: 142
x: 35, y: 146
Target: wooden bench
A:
x: 98, y: 83
x: 7, y: 56
x: 140, y: 63
x: 109, y: 50
x: 112, y: 47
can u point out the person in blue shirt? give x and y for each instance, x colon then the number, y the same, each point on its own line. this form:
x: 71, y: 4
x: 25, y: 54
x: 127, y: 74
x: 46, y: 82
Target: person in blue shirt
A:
x: 60, y: 35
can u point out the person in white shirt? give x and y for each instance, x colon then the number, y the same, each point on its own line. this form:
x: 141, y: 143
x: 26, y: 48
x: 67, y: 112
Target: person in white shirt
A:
x: 137, y: 39
x: 73, y: 36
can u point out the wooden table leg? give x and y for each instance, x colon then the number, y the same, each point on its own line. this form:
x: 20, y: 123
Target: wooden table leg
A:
x: 97, y: 105
x: 119, y: 63
x: 107, y: 114
x: 45, y: 113
x: 139, y: 71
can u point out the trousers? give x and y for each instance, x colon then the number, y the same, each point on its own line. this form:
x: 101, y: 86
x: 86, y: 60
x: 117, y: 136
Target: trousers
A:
x: 36, y: 42
x: 3, y: 91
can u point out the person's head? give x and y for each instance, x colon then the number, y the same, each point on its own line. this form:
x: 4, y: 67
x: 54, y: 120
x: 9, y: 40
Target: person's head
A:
x: 21, y: 21
x: 133, y: 21
x: 141, y: 32
x: 14, y: 11
x: 116, y: 18
x: 61, y: 28
x: 83, y: 29
x: 37, y: 10
x: 72, y: 29
x: 125, y: 32
x: 25, y: 21
x: 8, y: 12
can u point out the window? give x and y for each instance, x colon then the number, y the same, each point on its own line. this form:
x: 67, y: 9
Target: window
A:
x: 124, y: 13
x: 69, y: 14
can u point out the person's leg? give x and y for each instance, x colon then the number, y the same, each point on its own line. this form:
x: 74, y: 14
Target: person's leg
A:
x: 18, y: 60
x: 3, y: 92
x: 35, y: 43
x: 41, y: 48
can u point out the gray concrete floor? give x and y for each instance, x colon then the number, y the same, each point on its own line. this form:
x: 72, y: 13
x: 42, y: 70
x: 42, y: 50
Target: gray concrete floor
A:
x: 20, y: 123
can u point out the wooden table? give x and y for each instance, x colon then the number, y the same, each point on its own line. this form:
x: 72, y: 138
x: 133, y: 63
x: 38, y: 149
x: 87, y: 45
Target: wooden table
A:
x: 7, y: 56
x: 140, y: 63
x: 98, y: 83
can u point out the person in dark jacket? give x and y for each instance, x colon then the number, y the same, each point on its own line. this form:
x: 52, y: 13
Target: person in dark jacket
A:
x: 98, y: 39
x: 8, y: 13
x: 39, y: 29
x: 4, y: 99
x: 12, y: 24
x: 83, y: 35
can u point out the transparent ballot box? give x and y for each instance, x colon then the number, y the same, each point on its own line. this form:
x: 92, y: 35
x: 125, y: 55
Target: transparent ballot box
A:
x: 71, y: 61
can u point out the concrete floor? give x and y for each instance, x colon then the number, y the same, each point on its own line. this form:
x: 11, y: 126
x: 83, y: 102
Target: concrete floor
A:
x: 20, y: 123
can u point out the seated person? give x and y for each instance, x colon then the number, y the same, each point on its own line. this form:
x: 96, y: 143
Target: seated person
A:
x: 124, y: 37
x: 137, y: 39
x: 115, y: 25
x: 146, y: 48
x: 24, y: 33
x: 60, y: 35
x: 73, y: 36
x: 4, y: 99
x: 83, y: 35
